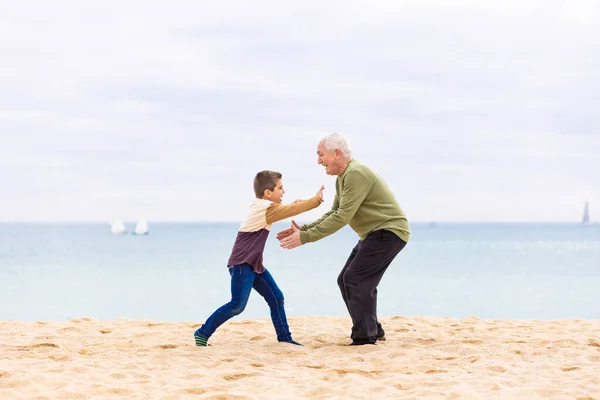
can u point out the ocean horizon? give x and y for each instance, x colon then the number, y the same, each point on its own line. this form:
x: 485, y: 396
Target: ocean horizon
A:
x: 506, y: 270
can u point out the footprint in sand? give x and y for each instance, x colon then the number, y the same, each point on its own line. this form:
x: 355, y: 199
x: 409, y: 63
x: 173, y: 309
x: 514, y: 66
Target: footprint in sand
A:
x: 357, y: 371
x: 445, y: 358
x: 71, y: 329
x: 473, y: 341
x: 79, y: 320
x: 235, y: 377
x: 105, y: 331
x: 120, y: 391
x: 568, y: 369
x: 60, y: 358
x: 167, y: 346
x: 436, y: 371
x: 196, y: 391
x: 38, y: 345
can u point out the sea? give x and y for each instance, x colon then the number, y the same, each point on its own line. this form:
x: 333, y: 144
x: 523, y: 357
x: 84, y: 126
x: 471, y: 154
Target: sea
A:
x: 52, y: 271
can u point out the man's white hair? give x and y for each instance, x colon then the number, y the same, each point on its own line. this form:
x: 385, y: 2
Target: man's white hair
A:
x: 337, y: 141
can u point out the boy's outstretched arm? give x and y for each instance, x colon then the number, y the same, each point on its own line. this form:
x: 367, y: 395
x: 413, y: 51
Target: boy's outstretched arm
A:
x: 277, y: 212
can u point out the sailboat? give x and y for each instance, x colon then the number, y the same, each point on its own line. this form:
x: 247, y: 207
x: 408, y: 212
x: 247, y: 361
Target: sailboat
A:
x: 586, y: 214
x: 117, y: 227
x: 141, y: 228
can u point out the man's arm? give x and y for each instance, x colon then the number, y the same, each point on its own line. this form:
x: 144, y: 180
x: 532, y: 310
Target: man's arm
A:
x: 355, y: 189
x: 277, y: 212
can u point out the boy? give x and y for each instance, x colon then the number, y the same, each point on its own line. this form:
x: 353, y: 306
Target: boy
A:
x: 245, y: 263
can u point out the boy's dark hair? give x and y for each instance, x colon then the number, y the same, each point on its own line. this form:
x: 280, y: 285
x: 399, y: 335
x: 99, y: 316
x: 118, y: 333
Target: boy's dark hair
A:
x: 265, y: 180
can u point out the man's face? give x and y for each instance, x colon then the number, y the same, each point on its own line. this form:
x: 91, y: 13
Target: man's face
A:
x: 327, y: 159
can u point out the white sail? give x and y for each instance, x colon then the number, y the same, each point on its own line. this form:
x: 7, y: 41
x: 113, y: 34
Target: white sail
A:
x: 586, y: 214
x: 141, y: 228
x: 117, y: 226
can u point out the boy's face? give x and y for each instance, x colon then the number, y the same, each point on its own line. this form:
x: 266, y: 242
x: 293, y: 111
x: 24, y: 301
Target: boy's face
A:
x: 276, y: 194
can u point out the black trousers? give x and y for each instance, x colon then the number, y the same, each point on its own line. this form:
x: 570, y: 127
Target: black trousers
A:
x: 360, y: 276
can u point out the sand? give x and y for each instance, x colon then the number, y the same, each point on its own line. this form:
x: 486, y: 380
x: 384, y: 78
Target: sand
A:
x: 422, y: 358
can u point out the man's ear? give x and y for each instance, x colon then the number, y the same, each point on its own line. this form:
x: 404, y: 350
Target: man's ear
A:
x: 338, y: 153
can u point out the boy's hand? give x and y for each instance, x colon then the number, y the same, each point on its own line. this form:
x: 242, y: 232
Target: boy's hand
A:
x: 320, y: 193
x: 289, y: 231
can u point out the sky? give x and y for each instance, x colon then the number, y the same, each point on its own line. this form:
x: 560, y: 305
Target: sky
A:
x: 471, y: 110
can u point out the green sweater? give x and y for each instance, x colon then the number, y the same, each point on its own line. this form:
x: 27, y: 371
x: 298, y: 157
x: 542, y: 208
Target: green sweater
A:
x: 363, y: 200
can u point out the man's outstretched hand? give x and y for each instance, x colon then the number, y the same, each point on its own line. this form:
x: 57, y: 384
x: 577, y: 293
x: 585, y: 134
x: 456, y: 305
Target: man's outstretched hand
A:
x: 289, y: 231
x: 291, y: 241
x: 290, y: 237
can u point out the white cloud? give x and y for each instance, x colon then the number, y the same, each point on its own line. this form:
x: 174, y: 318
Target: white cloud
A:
x: 472, y: 110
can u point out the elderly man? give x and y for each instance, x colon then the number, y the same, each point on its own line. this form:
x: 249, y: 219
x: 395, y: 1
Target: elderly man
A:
x: 363, y: 200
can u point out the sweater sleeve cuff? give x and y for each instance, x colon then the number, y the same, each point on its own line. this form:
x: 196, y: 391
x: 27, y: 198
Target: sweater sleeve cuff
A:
x: 304, y: 237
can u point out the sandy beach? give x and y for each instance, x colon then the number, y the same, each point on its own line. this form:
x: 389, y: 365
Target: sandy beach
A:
x: 422, y: 358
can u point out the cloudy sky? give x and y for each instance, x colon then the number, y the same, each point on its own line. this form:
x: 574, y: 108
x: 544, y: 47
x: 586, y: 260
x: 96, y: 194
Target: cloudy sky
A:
x: 472, y: 110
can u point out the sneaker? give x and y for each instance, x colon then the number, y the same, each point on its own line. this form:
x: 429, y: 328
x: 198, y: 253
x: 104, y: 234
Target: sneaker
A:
x: 291, y: 341
x: 380, y: 336
x: 380, y: 333
x: 360, y: 342
x: 200, y: 340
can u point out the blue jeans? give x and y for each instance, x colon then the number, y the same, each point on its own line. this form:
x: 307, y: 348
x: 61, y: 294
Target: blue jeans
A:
x: 243, y: 279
